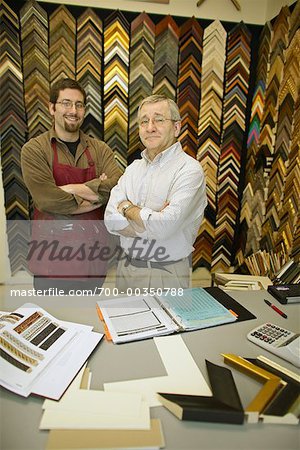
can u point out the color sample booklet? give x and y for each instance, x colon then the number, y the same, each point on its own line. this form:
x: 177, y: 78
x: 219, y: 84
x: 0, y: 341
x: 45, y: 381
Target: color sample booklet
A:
x: 134, y: 318
x: 40, y: 354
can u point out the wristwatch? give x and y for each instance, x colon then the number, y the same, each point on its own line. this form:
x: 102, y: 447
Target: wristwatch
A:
x: 126, y: 207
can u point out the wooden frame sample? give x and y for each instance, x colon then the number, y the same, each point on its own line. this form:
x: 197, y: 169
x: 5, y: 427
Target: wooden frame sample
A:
x: 271, y: 383
x: 224, y: 406
x: 284, y: 408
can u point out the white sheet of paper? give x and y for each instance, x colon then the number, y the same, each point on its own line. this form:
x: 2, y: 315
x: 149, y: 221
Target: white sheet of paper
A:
x: 73, y: 387
x: 131, y: 412
x: 59, y: 375
x: 184, y: 376
x: 98, y: 402
x: 91, y: 409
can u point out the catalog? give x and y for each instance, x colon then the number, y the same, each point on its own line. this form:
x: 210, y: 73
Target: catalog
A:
x: 40, y: 354
x: 134, y: 318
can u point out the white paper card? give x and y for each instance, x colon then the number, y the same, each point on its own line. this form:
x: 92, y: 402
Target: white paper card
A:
x: 184, y: 376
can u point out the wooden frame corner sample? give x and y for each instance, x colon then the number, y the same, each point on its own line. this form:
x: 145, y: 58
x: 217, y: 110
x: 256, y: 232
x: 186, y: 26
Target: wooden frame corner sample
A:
x: 271, y: 383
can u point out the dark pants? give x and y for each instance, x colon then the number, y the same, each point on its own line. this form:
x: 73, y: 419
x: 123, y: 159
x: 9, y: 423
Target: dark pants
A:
x: 50, y: 286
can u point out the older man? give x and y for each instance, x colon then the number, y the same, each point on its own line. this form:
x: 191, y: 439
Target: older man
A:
x: 158, y: 204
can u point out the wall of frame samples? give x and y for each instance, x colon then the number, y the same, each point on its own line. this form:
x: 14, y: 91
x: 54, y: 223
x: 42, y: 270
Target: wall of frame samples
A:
x: 237, y: 87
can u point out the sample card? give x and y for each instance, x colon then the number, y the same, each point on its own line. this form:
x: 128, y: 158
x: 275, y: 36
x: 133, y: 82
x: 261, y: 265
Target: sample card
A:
x: 184, y: 376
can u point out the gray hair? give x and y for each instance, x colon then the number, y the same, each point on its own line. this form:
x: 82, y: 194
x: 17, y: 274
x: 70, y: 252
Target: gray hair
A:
x: 174, y: 110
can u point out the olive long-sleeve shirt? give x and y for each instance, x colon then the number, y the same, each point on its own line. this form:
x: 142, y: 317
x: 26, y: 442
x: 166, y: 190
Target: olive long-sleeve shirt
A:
x: 37, y: 161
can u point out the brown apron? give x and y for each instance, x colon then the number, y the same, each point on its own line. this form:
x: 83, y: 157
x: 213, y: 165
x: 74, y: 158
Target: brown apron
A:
x: 70, y: 246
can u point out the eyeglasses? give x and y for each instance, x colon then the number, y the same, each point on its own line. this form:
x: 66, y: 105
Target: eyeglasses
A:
x: 158, y: 120
x: 68, y: 104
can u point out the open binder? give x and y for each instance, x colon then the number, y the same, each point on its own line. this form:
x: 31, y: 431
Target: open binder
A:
x: 140, y: 317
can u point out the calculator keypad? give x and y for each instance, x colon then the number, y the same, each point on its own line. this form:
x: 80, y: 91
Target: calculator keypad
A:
x: 275, y: 339
x: 271, y: 334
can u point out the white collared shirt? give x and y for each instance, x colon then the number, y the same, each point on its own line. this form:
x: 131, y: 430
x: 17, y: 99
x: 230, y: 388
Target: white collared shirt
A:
x: 173, y: 177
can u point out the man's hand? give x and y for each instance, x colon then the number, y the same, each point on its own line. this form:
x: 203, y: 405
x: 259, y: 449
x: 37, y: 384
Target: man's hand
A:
x: 82, y: 190
x: 85, y: 207
x: 134, y: 218
x: 132, y: 215
x: 122, y: 204
x: 164, y: 206
x: 103, y: 177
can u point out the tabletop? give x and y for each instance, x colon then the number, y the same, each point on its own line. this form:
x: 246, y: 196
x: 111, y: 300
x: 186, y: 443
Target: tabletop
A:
x: 20, y: 417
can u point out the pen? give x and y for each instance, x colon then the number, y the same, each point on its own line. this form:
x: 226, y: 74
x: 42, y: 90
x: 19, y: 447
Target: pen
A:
x: 275, y: 308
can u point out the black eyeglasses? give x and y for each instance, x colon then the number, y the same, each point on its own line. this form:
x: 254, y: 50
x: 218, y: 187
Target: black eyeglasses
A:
x: 68, y: 104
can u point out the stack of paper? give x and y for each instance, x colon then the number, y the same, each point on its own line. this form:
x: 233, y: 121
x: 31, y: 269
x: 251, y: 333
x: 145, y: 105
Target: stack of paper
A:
x: 40, y: 354
x: 119, y: 417
x: 232, y: 281
x: 96, y: 410
x: 96, y: 419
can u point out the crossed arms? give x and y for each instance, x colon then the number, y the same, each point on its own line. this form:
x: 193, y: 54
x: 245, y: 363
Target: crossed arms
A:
x: 90, y: 198
x: 36, y: 157
x: 185, y: 203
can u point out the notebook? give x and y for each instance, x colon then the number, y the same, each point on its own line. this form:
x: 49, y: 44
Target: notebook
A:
x: 140, y: 317
x: 286, y: 293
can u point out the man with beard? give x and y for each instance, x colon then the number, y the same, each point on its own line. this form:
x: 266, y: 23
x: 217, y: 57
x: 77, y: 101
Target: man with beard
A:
x: 69, y: 176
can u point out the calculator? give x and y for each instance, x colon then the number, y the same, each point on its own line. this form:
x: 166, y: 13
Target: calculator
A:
x: 283, y: 343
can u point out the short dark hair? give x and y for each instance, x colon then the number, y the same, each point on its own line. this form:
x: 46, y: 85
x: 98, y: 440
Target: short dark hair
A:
x: 65, y: 83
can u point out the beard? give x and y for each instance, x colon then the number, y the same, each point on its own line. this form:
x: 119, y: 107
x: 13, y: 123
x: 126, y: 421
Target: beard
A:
x: 71, y: 127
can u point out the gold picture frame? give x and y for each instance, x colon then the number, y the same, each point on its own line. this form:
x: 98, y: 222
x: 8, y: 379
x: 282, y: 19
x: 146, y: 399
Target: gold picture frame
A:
x: 271, y: 383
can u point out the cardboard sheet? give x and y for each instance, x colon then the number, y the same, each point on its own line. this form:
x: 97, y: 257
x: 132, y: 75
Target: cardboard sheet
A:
x: 184, y: 376
x: 107, y: 439
x: 90, y: 409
